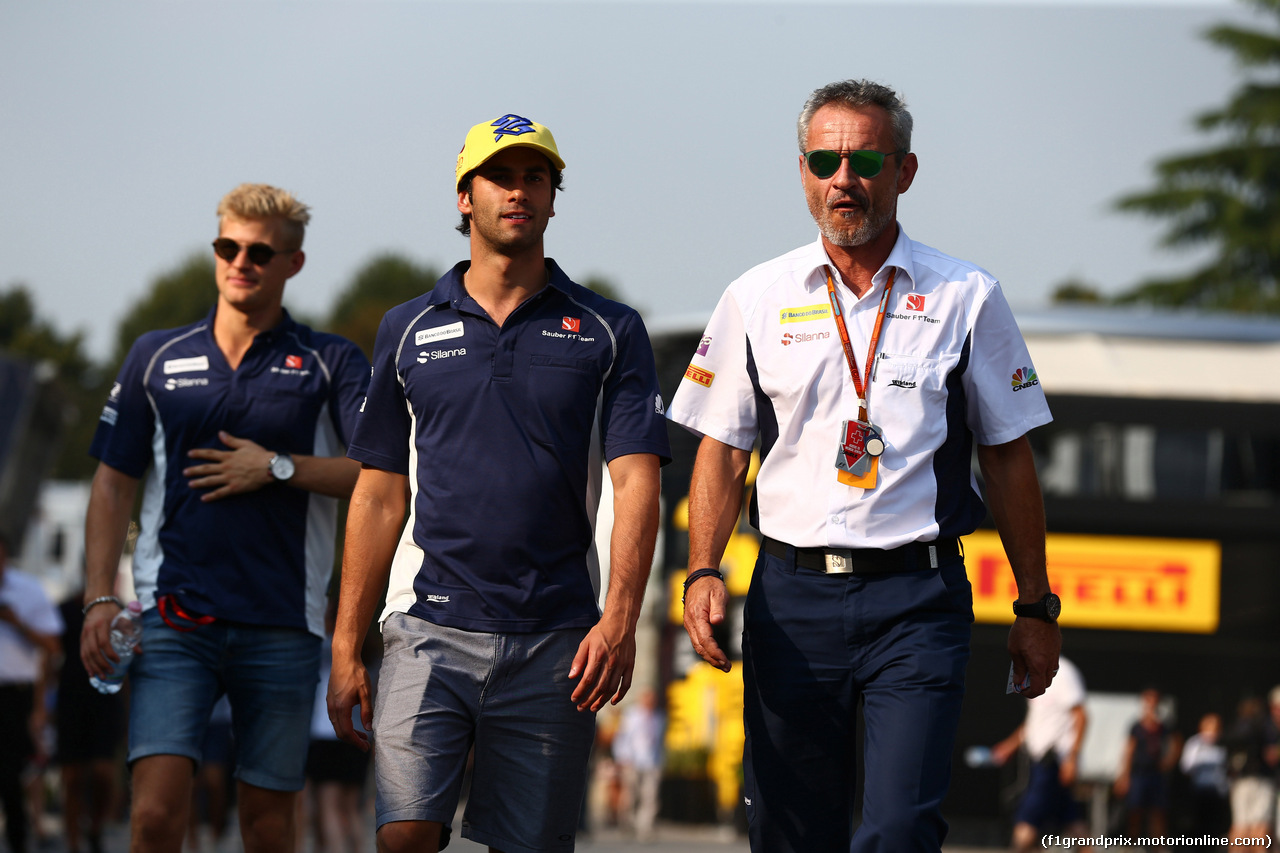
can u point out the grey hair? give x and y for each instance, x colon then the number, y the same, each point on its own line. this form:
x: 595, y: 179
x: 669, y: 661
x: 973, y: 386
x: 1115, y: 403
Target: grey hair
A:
x: 858, y: 93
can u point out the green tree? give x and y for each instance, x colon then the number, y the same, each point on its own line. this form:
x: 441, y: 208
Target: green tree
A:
x: 176, y: 298
x: 81, y: 385
x: 1227, y: 196
x: 382, y: 283
x: 1076, y: 292
x: 603, y: 286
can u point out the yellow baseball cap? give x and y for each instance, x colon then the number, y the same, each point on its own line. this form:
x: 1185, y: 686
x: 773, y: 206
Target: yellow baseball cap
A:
x: 488, y: 138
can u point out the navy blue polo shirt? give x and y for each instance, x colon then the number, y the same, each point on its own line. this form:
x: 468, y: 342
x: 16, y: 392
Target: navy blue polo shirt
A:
x: 503, y: 433
x: 264, y: 557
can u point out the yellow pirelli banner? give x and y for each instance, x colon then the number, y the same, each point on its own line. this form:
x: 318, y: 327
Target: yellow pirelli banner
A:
x: 1122, y: 582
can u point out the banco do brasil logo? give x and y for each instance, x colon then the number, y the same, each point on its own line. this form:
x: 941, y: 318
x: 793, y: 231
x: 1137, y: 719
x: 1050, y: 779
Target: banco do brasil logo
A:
x: 1024, y: 378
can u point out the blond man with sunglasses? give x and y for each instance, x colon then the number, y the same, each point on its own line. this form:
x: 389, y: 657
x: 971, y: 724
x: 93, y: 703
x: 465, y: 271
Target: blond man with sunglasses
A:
x: 236, y: 429
x: 867, y: 365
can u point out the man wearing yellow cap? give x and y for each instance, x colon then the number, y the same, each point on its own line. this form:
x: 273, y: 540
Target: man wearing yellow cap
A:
x: 496, y: 401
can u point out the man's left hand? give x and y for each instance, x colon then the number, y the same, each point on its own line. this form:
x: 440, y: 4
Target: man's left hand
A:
x: 604, y: 660
x: 1034, y: 645
x: 243, y: 468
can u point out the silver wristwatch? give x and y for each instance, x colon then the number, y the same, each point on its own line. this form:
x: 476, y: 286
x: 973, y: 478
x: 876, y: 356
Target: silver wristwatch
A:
x: 281, y: 466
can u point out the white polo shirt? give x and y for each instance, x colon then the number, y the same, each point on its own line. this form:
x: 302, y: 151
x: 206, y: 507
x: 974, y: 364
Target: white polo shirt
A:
x: 952, y: 368
x: 1050, y: 723
x: 19, y: 657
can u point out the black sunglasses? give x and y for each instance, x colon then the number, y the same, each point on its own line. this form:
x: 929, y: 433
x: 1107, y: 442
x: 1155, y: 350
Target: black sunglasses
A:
x: 824, y: 163
x: 260, y: 254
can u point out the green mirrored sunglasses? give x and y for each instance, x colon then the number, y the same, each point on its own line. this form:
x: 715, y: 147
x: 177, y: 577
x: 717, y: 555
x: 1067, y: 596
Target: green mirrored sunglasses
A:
x: 824, y: 163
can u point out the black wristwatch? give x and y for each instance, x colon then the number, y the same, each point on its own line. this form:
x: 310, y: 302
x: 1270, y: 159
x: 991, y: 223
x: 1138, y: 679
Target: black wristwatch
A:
x: 281, y: 466
x: 1047, y: 608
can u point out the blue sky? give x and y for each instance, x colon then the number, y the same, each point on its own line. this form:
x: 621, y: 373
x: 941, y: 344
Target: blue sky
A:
x: 122, y: 124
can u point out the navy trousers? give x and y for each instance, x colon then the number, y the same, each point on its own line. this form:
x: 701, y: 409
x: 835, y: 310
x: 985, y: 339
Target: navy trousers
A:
x: 815, y: 646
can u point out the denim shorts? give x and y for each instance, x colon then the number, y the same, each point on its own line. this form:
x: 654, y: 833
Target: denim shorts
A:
x: 440, y: 691
x: 268, y: 674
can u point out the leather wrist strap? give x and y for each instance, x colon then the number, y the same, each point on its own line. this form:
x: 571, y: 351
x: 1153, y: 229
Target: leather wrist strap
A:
x: 696, y: 575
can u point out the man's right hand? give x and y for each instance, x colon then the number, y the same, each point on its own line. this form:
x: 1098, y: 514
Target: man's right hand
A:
x: 704, y: 606
x: 95, y: 639
x: 349, y: 686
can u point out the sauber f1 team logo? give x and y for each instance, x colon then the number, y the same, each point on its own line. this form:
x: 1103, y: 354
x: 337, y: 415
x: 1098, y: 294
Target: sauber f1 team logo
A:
x: 915, y: 301
x: 571, y: 324
x: 293, y: 361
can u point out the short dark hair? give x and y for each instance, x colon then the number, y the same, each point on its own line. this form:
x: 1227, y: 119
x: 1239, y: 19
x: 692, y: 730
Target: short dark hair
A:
x: 464, y: 185
x: 856, y: 94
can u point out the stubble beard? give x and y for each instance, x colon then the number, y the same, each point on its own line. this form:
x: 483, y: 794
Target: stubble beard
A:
x: 504, y: 242
x: 833, y: 227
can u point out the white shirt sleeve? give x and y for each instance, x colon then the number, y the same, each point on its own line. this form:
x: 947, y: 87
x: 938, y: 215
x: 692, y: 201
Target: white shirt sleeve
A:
x: 716, y: 397
x: 1004, y: 396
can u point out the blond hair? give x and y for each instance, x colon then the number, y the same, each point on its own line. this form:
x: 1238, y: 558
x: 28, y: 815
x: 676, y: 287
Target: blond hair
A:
x: 256, y: 202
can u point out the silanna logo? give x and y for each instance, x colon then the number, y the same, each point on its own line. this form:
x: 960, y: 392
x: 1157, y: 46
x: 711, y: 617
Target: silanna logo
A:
x: 438, y: 354
x: 789, y: 338
x: 1024, y: 378
x: 172, y: 384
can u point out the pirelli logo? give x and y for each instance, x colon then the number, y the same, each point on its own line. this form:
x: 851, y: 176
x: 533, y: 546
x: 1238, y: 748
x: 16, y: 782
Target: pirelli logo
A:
x: 697, y: 374
x: 805, y: 313
x: 1117, y: 582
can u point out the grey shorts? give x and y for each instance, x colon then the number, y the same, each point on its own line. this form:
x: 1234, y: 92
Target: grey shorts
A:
x: 440, y: 691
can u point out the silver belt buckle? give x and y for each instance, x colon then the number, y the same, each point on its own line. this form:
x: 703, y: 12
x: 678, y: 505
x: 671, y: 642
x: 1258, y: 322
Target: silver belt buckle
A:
x: 839, y: 562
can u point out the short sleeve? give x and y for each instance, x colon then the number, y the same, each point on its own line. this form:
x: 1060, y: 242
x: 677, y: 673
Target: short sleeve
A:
x: 127, y: 423
x: 716, y: 396
x: 347, y: 390
x: 1003, y: 392
x: 382, y: 427
x: 44, y: 617
x: 631, y: 417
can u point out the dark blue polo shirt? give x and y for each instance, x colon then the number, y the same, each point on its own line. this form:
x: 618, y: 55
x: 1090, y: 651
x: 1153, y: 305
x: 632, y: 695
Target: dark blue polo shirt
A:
x: 264, y: 557
x: 503, y: 433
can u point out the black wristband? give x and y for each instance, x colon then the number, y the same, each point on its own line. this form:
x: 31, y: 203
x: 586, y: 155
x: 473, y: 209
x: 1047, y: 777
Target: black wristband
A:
x: 695, y: 575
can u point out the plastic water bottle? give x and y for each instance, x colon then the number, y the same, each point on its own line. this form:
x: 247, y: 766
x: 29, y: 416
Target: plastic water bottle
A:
x: 979, y: 756
x: 126, y: 631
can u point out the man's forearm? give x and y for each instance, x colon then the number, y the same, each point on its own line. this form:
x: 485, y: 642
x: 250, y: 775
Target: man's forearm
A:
x: 635, y: 531
x: 334, y: 476
x: 715, y: 500
x: 374, y: 522
x: 1017, y: 506
x: 106, y: 526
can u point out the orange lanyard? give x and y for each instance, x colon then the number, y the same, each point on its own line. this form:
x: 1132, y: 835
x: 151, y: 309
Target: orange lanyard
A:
x: 861, y: 385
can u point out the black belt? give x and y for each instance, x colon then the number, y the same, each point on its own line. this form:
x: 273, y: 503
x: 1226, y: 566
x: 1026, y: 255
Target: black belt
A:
x: 867, y: 561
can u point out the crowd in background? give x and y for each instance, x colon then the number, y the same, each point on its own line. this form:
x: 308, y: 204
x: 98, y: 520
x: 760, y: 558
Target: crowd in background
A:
x: 1221, y: 780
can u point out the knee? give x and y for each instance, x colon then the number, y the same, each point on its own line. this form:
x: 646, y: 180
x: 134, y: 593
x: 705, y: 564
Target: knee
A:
x: 267, y: 829
x: 155, y: 823
x: 409, y: 836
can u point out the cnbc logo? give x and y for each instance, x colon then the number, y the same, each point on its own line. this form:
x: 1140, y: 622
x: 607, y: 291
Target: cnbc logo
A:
x: 1024, y: 378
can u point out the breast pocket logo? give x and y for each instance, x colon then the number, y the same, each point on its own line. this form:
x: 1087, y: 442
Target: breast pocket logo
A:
x: 915, y: 302
x: 571, y: 324
x: 440, y: 333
